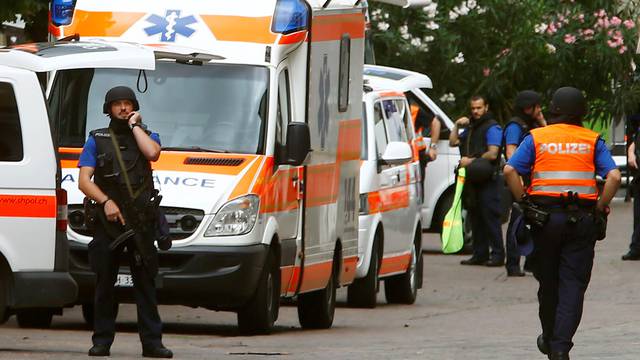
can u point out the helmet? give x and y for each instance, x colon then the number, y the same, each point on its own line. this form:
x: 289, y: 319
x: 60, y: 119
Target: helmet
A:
x: 568, y: 101
x: 119, y: 93
x: 527, y: 98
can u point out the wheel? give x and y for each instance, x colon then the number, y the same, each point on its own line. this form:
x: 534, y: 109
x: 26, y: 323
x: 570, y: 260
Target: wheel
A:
x: 403, y: 288
x: 364, y: 292
x: 261, y: 312
x: 88, y: 310
x: 39, y: 318
x: 316, y: 309
x: 4, y: 312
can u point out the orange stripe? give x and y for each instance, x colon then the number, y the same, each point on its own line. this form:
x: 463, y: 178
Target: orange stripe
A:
x: 242, y: 188
x: 316, y: 276
x: 280, y: 194
x: 348, y: 269
x: 375, y: 204
x: 96, y: 23
x: 286, y: 275
x: 392, y: 94
x: 395, y: 264
x: 349, y: 140
x: 322, y: 184
x: 293, y: 38
x: 333, y: 27
x: 295, y: 279
x: 241, y: 28
x: 28, y: 206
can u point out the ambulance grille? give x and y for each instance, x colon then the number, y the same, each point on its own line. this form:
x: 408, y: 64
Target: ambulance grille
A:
x: 182, y: 222
x: 213, y: 161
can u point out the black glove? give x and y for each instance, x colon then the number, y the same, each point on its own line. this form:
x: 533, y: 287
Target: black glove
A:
x: 600, y: 220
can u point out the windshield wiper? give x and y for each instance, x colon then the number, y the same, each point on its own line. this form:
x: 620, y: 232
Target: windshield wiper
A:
x: 195, y: 149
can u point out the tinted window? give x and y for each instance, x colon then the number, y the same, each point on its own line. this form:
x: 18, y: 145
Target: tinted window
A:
x: 284, y: 111
x: 219, y: 106
x: 345, y: 63
x: 364, y: 142
x: 10, y: 132
x: 394, y: 115
x: 379, y: 128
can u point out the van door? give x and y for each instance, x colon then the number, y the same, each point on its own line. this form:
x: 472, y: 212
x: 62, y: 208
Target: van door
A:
x: 27, y: 200
x: 389, y: 124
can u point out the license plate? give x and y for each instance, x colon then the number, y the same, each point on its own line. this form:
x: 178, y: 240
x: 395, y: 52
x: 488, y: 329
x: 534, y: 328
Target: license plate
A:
x: 124, y: 280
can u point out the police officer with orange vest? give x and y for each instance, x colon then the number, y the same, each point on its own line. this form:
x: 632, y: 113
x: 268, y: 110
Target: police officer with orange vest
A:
x: 565, y: 212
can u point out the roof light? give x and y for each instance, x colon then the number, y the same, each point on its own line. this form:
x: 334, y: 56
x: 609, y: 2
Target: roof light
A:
x: 290, y: 16
x: 62, y: 11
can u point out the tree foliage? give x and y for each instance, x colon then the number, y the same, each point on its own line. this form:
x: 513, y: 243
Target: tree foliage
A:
x: 499, y: 47
x: 34, y: 13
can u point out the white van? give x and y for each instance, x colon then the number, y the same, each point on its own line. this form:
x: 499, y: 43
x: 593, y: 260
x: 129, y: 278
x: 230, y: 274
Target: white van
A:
x: 439, y: 176
x: 254, y: 215
x: 34, y: 281
x: 390, y: 233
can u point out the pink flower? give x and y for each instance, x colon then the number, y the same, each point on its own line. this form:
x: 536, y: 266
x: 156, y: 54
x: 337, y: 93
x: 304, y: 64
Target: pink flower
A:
x: 629, y: 24
x: 588, y: 34
x: 600, y: 13
x: 486, y: 72
x: 569, y: 38
x: 552, y: 29
x: 622, y: 50
x: 603, y: 23
x: 616, y: 21
x: 581, y: 18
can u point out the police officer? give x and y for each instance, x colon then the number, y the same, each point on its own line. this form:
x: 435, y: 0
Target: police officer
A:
x: 565, y: 210
x: 480, y: 149
x: 527, y: 115
x: 632, y: 160
x: 112, y: 187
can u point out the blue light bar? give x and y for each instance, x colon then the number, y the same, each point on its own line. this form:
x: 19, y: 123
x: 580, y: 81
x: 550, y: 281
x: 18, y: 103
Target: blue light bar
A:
x: 290, y: 16
x: 62, y: 11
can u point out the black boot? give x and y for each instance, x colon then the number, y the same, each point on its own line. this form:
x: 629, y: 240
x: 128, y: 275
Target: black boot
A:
x: 473, y: 261
x: 559, y: 355
x: 157, y: 352
x: 100, y: 350
x: 631, y: 255
x: 543, y: 344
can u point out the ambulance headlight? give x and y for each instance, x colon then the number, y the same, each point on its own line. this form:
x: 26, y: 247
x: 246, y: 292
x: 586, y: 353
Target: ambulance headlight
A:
x: 62, y: 11
x: 237, y: 217
x: 290, y: 16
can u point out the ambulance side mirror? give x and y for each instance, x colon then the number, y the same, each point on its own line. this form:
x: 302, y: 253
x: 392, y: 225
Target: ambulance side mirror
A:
x: 298, y: 143
x: 397, y: 153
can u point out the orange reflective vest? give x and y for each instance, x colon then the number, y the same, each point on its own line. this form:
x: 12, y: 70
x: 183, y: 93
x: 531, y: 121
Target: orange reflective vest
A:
x: 565, y: 161
x: 418, y: 142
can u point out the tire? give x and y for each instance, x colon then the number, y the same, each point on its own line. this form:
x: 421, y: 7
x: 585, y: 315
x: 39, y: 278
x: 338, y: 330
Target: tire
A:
x: 403, y: 288
x: 316, y: 309
x: 363, y: 293
x: 261, y: 312
x: 39, y: 318
x: 4, y: 312
x: 88, y: 310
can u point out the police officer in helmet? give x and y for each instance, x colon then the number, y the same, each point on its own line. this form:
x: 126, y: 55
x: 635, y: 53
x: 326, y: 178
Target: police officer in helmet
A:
x: 565, y: 211
x: 117, y: 158
x: 527, y: 115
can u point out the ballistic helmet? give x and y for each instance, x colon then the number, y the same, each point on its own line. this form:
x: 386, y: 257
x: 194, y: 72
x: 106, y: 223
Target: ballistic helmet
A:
x: 527, y: 98
x: 119, y: 93
x: 568, y: 101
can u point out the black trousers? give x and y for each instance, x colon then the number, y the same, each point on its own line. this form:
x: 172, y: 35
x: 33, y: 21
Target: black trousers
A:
x: 485, y: 214
x: 105, y: 263
x: 564, y: 259
x: 513, y: 256
x: 634, y: 247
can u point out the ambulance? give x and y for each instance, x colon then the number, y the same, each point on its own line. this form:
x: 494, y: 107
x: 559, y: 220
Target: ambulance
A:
x: 390, y: 233
x: 260, y: 125
x: 34, y: 280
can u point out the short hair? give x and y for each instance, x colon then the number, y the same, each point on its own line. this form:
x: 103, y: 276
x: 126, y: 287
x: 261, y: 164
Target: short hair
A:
x: 479, y: 97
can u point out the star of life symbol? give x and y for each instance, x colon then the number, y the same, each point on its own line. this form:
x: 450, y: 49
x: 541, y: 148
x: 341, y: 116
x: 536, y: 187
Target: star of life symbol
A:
x: 170, y: 25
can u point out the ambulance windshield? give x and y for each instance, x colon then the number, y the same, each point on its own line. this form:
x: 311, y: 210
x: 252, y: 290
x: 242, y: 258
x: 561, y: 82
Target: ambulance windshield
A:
x: 219, y: 106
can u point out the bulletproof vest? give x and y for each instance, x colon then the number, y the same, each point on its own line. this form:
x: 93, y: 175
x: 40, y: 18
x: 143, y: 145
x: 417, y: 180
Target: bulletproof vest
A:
x: 475, y: 143
x: 109, y: 175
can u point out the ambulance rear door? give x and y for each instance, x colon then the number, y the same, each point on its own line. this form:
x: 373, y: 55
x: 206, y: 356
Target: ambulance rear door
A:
x: 28, y: 168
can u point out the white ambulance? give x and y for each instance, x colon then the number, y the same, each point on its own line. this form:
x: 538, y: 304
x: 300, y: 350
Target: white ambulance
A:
x: 34, y: 281
x: 390, y: 231
x: 439, y: 176
x: 254, y: 215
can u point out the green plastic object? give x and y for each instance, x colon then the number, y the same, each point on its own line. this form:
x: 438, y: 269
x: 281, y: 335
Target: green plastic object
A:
x: 452, y: 228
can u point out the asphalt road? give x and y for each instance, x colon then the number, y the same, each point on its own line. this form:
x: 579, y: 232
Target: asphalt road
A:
x: 462, y: 313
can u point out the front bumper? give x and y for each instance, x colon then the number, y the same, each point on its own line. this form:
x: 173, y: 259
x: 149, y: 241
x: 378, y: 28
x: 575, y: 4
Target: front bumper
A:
x: 42, y: 290
x: 215, y: 277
